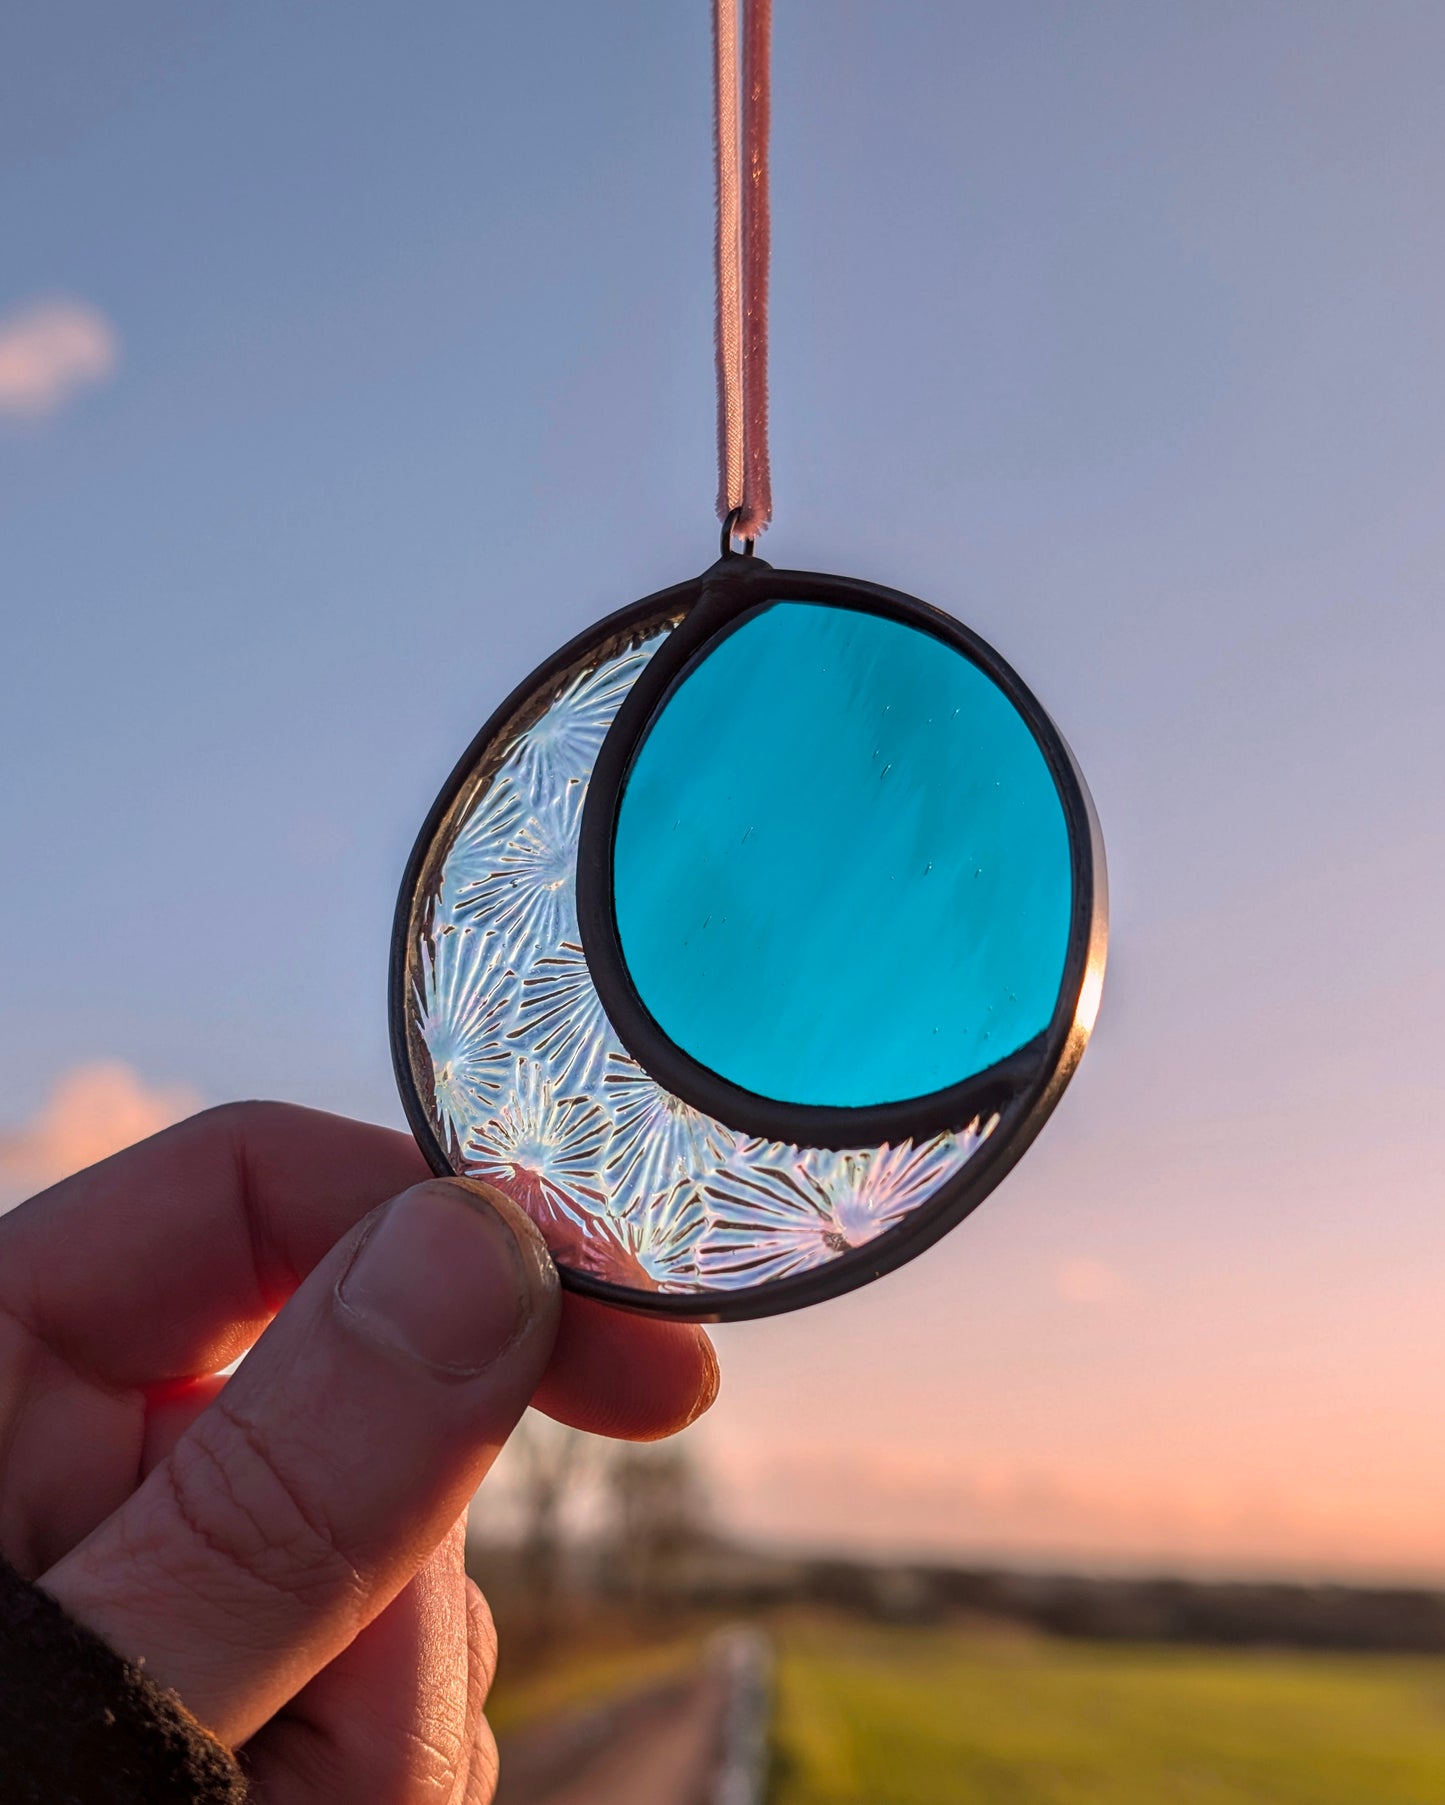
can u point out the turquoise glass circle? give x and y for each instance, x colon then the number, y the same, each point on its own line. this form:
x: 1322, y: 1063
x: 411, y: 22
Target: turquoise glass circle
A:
x: 842, y: 871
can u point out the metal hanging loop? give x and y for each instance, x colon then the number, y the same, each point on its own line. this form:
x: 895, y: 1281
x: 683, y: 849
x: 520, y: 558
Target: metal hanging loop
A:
x: 729, y: 533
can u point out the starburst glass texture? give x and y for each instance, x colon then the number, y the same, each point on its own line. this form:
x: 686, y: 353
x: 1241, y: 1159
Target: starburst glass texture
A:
x: 526, y: 1082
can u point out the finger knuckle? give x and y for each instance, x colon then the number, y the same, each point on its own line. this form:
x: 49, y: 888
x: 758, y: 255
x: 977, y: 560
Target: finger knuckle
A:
x: 486, y: 1766
x: 246, y: 1515
x: 481, y: 1635
x: 431, y: 1769
x: 245, y: 1118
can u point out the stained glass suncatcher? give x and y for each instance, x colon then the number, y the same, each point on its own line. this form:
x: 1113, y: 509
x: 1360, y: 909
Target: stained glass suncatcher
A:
x: 751, y: 942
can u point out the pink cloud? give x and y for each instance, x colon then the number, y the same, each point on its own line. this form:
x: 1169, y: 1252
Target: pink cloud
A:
x: 49, y: 351
x: 92, y: 1112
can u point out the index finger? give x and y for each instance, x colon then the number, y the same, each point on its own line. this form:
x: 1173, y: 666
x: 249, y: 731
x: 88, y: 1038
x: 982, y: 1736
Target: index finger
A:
x: 166, y: 1261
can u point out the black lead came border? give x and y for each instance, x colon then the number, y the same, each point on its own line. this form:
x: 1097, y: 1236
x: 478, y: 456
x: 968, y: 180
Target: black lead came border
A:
x: 1023, y: 1089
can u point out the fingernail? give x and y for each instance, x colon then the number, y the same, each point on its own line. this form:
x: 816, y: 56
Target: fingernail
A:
x: 442, y: 1277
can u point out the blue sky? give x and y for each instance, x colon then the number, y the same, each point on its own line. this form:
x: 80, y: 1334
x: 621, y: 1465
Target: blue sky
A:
x: 1116, y: 330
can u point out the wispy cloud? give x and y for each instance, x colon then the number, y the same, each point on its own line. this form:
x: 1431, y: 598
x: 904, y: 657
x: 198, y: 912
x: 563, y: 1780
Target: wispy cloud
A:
x: 50, y: 350
x: 92, y: 1112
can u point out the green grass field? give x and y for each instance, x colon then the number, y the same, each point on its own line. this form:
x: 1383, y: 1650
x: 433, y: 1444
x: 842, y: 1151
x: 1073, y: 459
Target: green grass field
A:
x: 922, y: 1717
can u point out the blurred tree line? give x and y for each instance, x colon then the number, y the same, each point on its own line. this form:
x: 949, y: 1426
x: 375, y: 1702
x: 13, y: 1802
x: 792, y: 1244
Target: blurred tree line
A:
x: 645, y: 1556
x: 651, y: 1524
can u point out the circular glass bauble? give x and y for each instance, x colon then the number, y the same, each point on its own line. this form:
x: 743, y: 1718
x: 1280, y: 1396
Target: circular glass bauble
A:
x: 751, y: 942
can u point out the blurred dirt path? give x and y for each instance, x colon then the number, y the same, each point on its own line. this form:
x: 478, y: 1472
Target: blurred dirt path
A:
x: 657, y: 1747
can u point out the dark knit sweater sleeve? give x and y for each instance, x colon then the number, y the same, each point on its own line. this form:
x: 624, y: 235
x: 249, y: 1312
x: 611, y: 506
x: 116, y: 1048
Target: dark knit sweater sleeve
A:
x: 81, y: 1726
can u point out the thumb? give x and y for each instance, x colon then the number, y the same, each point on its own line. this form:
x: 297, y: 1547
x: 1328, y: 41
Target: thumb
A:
x: 302, y: 1500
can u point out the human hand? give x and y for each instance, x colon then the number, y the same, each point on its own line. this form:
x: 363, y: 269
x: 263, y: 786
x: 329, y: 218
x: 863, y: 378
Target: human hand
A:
x: 284, y: 1549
